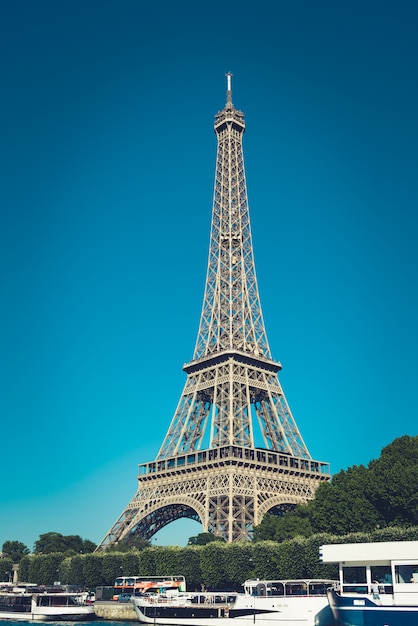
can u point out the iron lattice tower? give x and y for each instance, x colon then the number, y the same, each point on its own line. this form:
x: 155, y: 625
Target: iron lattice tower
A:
x: 233, y: 450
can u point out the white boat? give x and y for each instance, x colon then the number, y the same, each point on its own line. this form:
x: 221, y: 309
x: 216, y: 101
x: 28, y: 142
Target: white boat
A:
x: 378, y: 583
x: 32, y: 604
x: 270, y: 602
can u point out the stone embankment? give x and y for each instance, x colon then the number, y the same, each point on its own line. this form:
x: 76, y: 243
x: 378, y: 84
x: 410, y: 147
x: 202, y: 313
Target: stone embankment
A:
x: 115, y: 611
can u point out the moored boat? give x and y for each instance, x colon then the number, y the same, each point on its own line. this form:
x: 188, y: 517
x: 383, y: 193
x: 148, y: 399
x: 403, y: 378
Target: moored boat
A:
x: 136, y: 585
x: 378, y: 583
x: 275, y: 602
x: 33, y: 604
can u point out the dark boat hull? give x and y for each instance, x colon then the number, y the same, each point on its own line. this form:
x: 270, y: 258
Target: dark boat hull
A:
x: 361, y: 611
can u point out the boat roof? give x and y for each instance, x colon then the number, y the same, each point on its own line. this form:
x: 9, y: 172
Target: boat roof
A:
x: 383, y: 551
x: 257, y: 581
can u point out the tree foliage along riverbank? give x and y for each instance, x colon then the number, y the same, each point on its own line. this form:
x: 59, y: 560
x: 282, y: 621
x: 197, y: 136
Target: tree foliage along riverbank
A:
x: 216, y: 565
x: 359, y: 499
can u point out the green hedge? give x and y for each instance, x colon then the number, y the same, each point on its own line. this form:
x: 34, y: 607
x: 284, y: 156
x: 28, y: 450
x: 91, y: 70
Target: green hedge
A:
x: 6, y: 572
x: 215, y: 565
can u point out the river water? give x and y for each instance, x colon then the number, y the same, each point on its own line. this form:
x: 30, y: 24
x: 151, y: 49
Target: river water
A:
x: 101, y: 622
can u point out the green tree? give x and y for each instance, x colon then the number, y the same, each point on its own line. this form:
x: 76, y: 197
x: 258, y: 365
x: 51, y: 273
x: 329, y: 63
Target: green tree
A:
x: 74, y: 574
x: 92, y: 570
x: 265, y: 560
x: 15, y: 550
x: 287, y: 526
x: 359, y: 499
x: 266, y: 531
x: 147, y: 561
x: 6, y: 571
x: 87, y: 546
x: 203, y: 538
x: 55, y: 542
x: 393, y: 487
x: 140, y: 543
x: 212, y: 563
x: 362, y: 499
x: 24, y: 569
x: 341, y: 506
x: 188, y: 563
x: 238, y: 563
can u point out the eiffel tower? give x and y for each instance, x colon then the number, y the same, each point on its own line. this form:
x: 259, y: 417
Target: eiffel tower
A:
x: 233, y: 451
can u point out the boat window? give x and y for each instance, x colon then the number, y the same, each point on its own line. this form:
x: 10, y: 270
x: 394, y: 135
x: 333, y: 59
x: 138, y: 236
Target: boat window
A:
x: 354, y: 574
x: 275, y: 589
x: 407, y: 573
x: 261, y: 590
x: 296, y: 588
x: 318, y: 589
x: 354, y: 579
x: 381, y: 573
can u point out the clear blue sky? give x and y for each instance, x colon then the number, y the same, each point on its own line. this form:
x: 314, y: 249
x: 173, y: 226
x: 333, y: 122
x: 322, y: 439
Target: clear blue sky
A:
x: 107, y: 168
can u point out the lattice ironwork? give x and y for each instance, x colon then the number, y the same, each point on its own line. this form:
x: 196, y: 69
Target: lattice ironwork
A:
x: 233, y: 450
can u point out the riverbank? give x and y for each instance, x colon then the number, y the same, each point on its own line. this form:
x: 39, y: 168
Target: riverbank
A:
x: 115, y: 611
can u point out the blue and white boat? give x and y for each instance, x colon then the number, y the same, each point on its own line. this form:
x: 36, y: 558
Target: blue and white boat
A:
x: 378, y: 583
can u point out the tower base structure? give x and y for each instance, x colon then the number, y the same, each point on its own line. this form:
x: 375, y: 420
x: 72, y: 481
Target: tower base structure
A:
x: 228, y: 489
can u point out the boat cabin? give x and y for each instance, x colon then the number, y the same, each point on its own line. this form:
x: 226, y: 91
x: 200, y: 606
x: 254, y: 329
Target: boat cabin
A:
x: 387, y: 570
x: 267, y: 588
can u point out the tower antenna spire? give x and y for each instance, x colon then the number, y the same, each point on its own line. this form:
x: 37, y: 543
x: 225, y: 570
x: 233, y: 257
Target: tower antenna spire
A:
x: 229, y: 88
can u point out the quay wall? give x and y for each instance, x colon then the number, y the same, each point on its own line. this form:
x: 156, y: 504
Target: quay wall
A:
x: 115, y: 611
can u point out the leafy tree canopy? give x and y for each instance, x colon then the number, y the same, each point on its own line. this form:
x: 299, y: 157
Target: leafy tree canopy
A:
x: 359, y: 499
x: 15, y: 550
x: 283, y: 527
x: 140, y: 543
x: 70, y: 544
x: 203, y: 538
x: 393, y: 490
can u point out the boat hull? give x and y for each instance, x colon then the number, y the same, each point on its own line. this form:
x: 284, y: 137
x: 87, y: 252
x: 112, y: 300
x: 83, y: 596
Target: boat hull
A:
x: 280, y: 612
x: 16, y: 616
x: 361, y: 611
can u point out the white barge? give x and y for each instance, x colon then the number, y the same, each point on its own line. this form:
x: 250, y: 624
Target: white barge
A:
x: 268, y: 602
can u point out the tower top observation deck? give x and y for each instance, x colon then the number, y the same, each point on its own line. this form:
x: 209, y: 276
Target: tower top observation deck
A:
x: 229, y: 113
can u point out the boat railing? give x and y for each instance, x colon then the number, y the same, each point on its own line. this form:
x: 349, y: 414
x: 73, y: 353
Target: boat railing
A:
x: 202, y: 599
x: 281, y: 588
